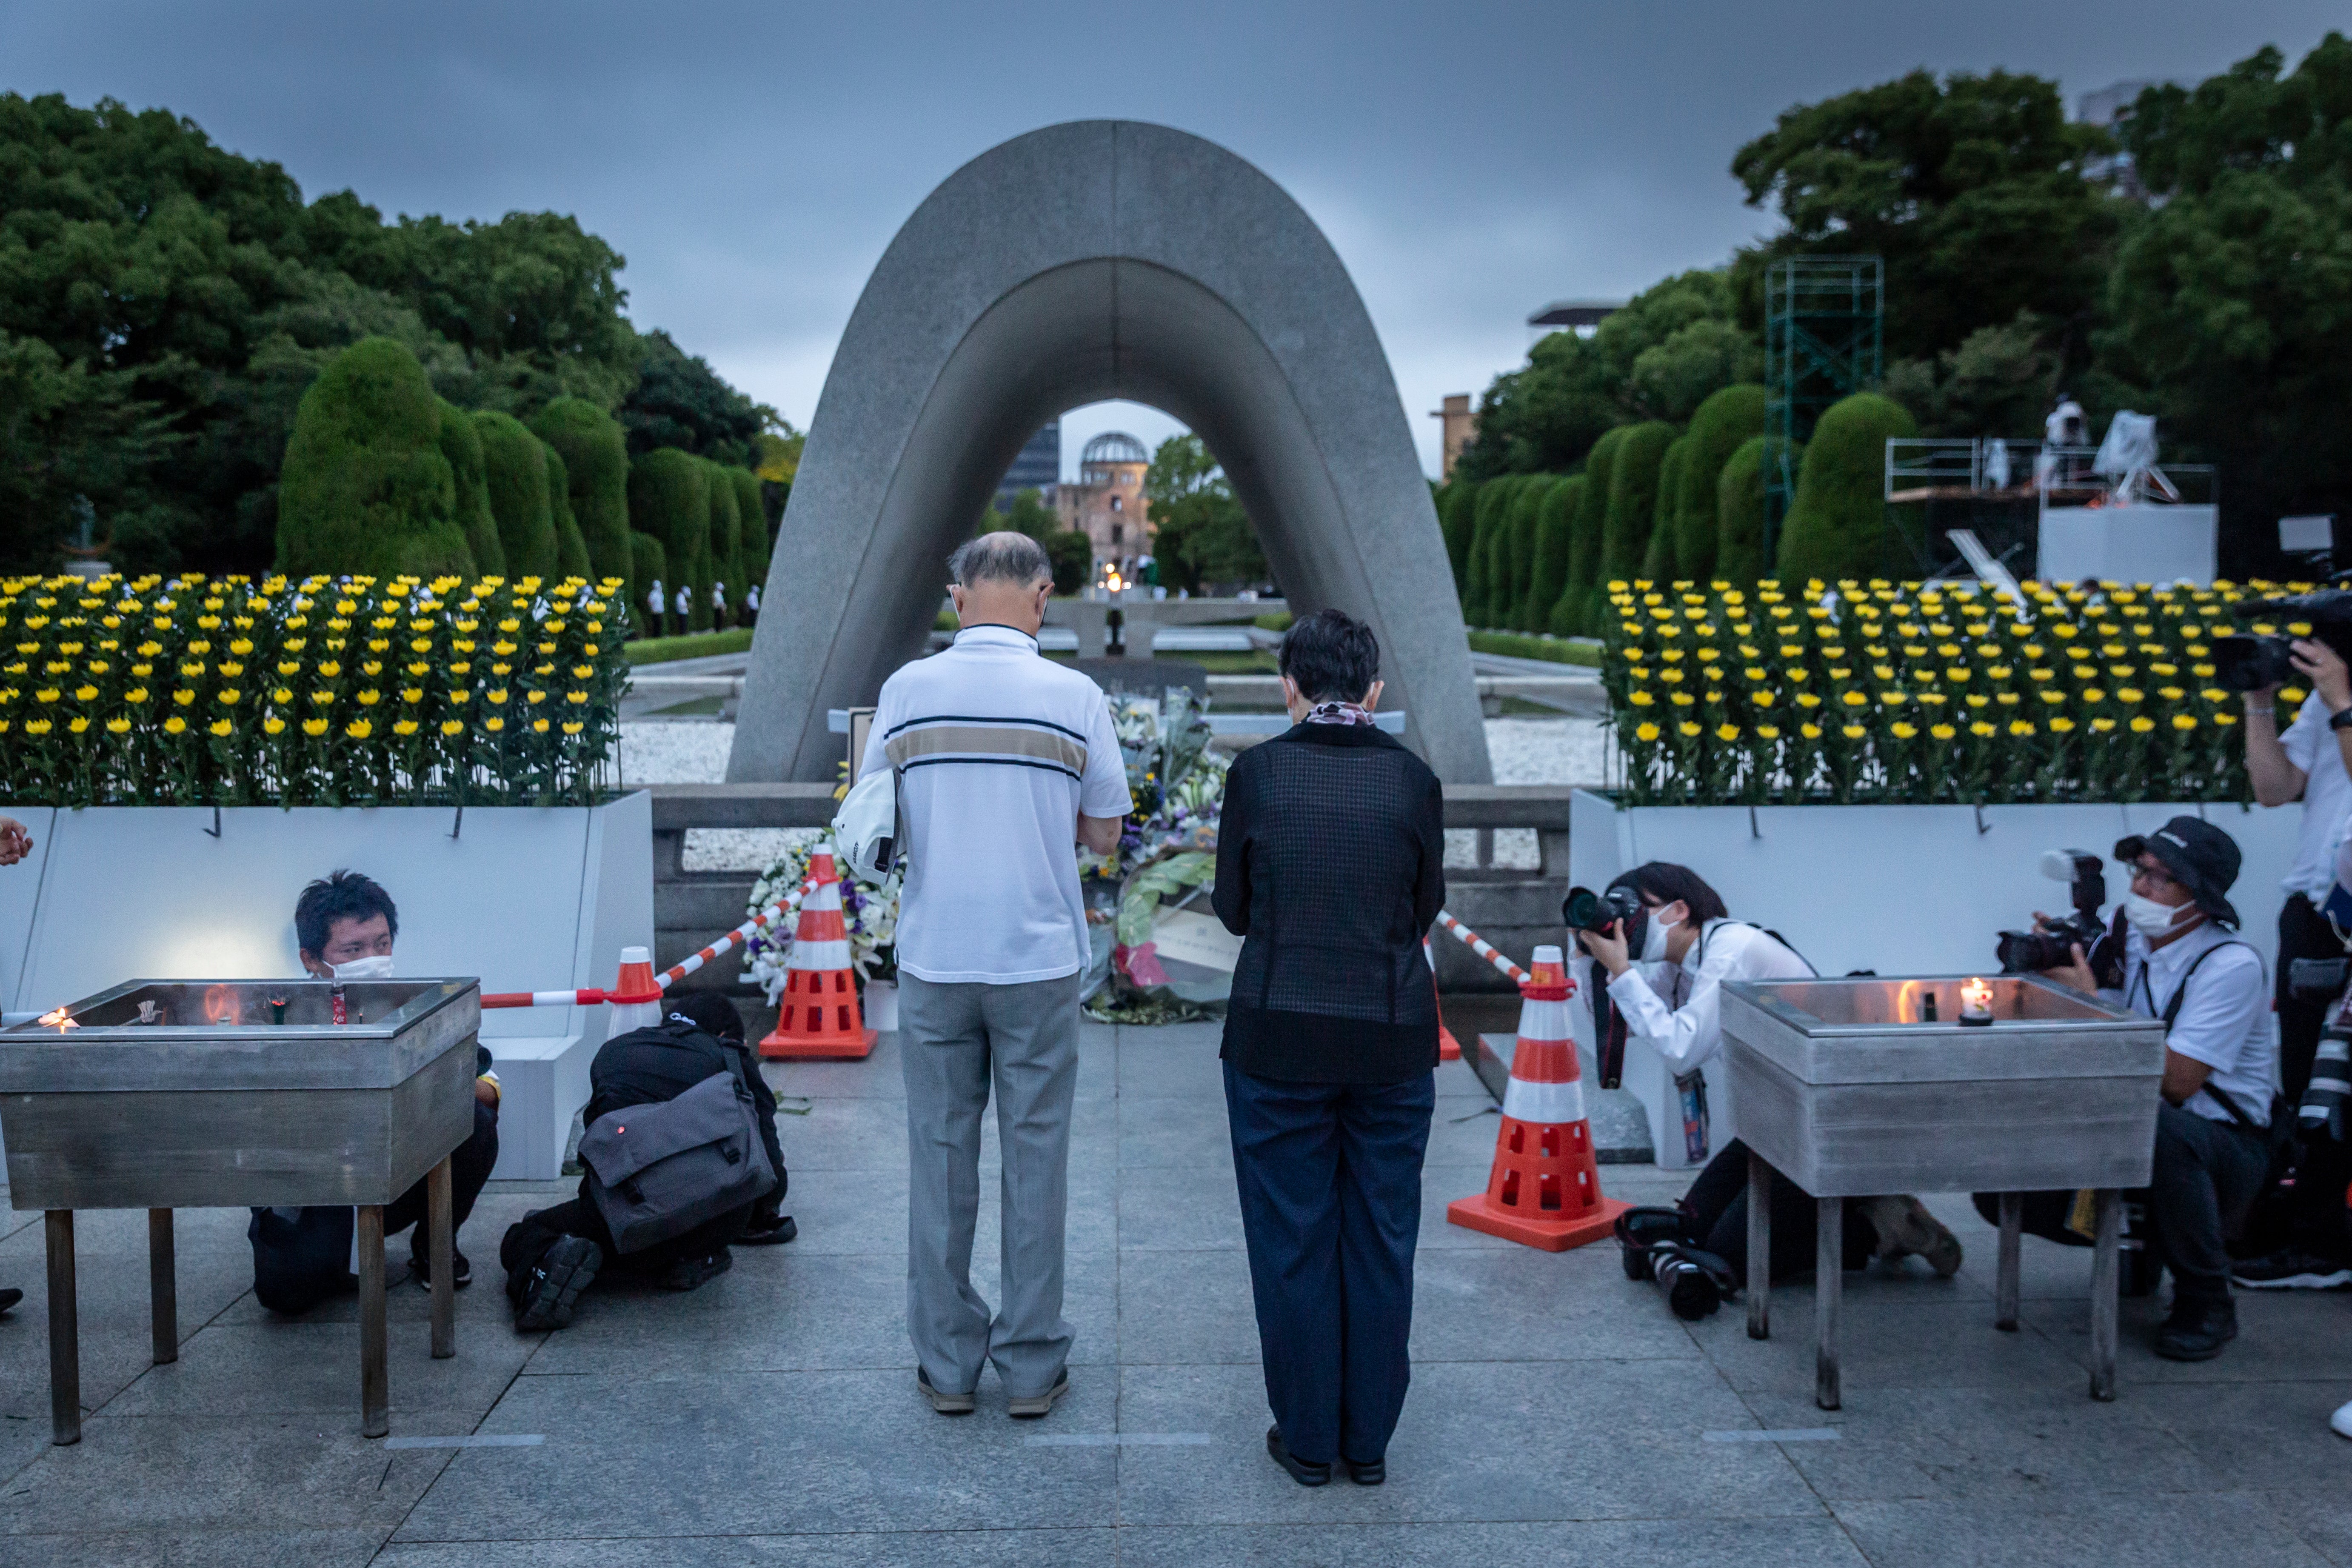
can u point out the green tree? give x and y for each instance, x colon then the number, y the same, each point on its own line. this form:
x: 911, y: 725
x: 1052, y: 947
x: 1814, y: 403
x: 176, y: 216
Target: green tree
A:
x: 1587, y: 532
x: 1998, y: 382
x: 1970, y: 187
x: 463, y: 446
x: 726, y: 535
x: 2228, y: 303
x: 1659, y: 555
x: 750, y: 507
x: 1555, y: 521
x: 1028, y: 514
x: 1073, y: 556
x: 68, y: 437
x: 571, y: 549
x: 366, y: 487
x: 648, y: 571
x: 1490, y: 517
x: 597, y: 466
x: 1633, y: 502
x: 1458, y: 517
x: 669, y: 497
x: 1525, y: 524
x: 515, y: 464
x: 1837, y: 523
x: 679, y: 400
x: 1724, y: 420
x: 1200, y: 531
x: 1739, y: 514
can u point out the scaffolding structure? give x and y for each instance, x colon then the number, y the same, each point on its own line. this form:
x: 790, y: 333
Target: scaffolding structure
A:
x: 1824, y: 334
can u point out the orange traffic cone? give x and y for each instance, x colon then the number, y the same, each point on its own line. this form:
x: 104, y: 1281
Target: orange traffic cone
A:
x: 1449, y: 1049
x: 1545, y: 1188
x: 819, y: 1016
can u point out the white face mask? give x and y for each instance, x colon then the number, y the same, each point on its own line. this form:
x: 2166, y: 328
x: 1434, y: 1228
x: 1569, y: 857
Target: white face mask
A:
x: 2150, y: 919
x: 377, y: 967
x: 1654, y: 937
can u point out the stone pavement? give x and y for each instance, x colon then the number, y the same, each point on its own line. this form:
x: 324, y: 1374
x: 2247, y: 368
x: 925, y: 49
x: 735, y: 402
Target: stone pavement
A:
x: 1557, y: 1413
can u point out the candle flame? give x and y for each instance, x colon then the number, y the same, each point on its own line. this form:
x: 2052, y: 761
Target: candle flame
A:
x: 1976, y: 995
x: 57, y: 1018
x: 223, y: 1005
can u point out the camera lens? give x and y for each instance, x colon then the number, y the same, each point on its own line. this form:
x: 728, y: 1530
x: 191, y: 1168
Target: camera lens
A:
x: 2245, y: 663
x: 1580, y: 912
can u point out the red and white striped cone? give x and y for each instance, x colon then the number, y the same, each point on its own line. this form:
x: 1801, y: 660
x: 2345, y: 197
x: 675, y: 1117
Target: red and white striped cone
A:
x: 1545, y: 1188
x: 635, y: 995
x: 818, y: 1015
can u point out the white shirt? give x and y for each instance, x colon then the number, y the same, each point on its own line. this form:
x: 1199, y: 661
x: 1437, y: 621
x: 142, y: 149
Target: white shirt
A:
x: 999, y: 750
x: 1687, y: 1024
x: 2311, y: 745
x: 2224, y: 1020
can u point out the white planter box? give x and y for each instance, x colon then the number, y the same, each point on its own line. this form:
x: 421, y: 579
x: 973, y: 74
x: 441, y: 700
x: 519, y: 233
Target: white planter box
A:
x: 1901, y: 889
x: 525, y: 899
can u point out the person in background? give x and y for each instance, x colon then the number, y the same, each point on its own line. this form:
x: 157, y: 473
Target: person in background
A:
x: 344, y: 927
x: 654, y: 602
x: 718, y: 607
x: 2308, y: 764
x: 2183, y: 964
x: 685, y: 605
x: 1665, y: 973
x: 751, y: 606
x: 1007, y: 763
x: 553, y: 1254
x: 1330, y: 867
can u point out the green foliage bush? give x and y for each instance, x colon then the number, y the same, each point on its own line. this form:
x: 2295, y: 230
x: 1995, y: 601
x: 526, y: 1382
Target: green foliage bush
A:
x: 365, y: 488
x: 1658, y: 555
x: 514, y: 462
x: 1527, y: 508
x: 1514, y: 645
x: 1488, y: 509
x: 1739, y: 514
x: 596, y: 465
x: 1073, y: 556
x: 1549, y: 582
x: 463, y: 448
x: 750, y: 510
x: 669, y: 497
x: 1585, y: 540
x: 726, y: 536
x: 1837, y: 525
x: 1458, y: 514
x: 571, y: 549
x: 1724, y: 420
x: 649, y: 565
x: 1632, y: 502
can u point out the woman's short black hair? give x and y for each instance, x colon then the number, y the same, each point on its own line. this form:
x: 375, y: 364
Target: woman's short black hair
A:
x: 340, y: 896
x: 1331, y: 656
x: 1667, y: 883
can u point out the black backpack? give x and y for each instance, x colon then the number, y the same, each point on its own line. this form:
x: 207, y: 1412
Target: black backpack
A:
x: 657, y: 1169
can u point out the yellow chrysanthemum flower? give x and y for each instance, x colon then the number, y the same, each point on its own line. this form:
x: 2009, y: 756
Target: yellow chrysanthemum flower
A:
x: 1644, y: 732
x: 2184, y: 721
x: 1726, y: 732
x: 1769, y: 731
x: 1853, y: 699
x: 1810, y: 731
x: 118, y: 726
x: 1981, y: 728
x: 314, y: 726
x: 452, y: 727
x: 2142, y: 725
x: 358, y: 728
x: 175, y: 725
x: 494, y: 723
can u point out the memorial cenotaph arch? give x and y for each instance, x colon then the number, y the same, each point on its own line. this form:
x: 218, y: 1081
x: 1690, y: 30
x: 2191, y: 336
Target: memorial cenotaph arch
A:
x: 1080, y: 262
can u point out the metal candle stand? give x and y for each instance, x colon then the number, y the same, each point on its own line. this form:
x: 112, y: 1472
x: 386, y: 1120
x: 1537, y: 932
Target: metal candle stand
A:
x: 1858, y: 1086
x: 212, y: 1104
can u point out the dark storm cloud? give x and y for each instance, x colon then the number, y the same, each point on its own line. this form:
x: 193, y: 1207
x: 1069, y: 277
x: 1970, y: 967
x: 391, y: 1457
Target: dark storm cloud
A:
x: 1469, y: 162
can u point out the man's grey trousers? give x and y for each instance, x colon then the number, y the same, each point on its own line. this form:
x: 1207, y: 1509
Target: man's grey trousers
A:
x: 956, y: 1041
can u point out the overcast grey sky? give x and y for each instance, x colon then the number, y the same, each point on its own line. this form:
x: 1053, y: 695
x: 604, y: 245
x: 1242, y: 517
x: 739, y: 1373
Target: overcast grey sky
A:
x: 1469, y: 161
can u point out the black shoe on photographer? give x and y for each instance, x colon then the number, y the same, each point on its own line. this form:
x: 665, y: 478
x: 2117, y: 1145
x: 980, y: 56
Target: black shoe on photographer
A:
x: 2291, y: 1269
x: 2197, y: 1329
x: 694, y: 1273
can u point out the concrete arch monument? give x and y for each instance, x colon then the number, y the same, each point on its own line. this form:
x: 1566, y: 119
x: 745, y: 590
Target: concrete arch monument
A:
x: 1098, y: 260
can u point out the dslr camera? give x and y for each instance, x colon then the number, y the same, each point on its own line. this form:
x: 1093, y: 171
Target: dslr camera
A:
x: 2246, y: 661
x: 2026, y: 951
x: 1585, y: 909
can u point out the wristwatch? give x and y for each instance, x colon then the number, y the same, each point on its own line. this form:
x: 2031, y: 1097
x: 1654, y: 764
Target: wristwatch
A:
x: 2340, y: 719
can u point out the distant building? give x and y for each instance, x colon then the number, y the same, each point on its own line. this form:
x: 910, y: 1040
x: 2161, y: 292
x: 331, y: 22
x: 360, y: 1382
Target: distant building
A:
x: 1037, y: 466
x: 2108, y: 109
x: 1578, y: 316
x: 1458, y: 426
x: 1107, y: 503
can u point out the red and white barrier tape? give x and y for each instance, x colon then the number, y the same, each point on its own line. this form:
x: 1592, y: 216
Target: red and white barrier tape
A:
x: 592, y: 996
x: 1484, y: 948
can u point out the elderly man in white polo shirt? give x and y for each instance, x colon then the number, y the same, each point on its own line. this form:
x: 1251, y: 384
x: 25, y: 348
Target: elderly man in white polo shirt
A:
x: 1006, y: 764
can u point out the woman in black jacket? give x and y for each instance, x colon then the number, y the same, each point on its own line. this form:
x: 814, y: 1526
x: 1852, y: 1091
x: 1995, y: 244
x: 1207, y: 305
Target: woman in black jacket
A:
x: 1330, y: 864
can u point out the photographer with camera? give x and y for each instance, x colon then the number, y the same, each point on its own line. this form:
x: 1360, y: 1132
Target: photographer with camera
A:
x: 1669, y: 944
x: 2182, y: 963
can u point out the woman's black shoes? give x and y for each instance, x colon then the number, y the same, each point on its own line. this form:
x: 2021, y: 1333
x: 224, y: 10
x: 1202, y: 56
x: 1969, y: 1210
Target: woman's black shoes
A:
x: 1370, y: 1473
x: 1305, y: 1474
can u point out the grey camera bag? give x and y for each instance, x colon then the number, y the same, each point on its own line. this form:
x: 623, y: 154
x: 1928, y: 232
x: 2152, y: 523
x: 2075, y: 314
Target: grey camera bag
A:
x: 657, y: 1171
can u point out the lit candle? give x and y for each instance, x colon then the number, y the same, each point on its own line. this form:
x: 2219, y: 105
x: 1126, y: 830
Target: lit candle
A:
x: 1976, y: 1002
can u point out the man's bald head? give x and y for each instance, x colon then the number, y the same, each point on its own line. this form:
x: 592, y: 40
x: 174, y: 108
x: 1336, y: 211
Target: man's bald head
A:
x: 1001, y: 579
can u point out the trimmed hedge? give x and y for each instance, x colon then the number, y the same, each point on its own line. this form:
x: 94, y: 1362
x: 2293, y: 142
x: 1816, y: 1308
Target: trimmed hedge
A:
x: 515, y: 464
x: 648, y: 564
x: 726, y: 539
x: 1728, y: 417
x: 751, y: 511
x: 364, y: 488
x: 463, y: 448
x: 1458, y: 518
x: 1527, y: 508
x: 596, y: 466
x: 1837, y: 521
x: 1510, y: 644
x: 571, y: 549
x: 1632, y: 502
x: 1546, y: 592
x: 1493, y: 505
x: 1585, y: 538
x: 669, y: 497
x: 1658, y: 555
x: 1739, y: 514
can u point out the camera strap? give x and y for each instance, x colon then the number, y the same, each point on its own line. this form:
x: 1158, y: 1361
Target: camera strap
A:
x: 2221, y: 1098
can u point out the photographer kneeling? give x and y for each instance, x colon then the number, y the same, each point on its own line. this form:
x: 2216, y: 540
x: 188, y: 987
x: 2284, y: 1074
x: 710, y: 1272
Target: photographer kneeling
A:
x: 2182, y: 963
x: 1688, y: 946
